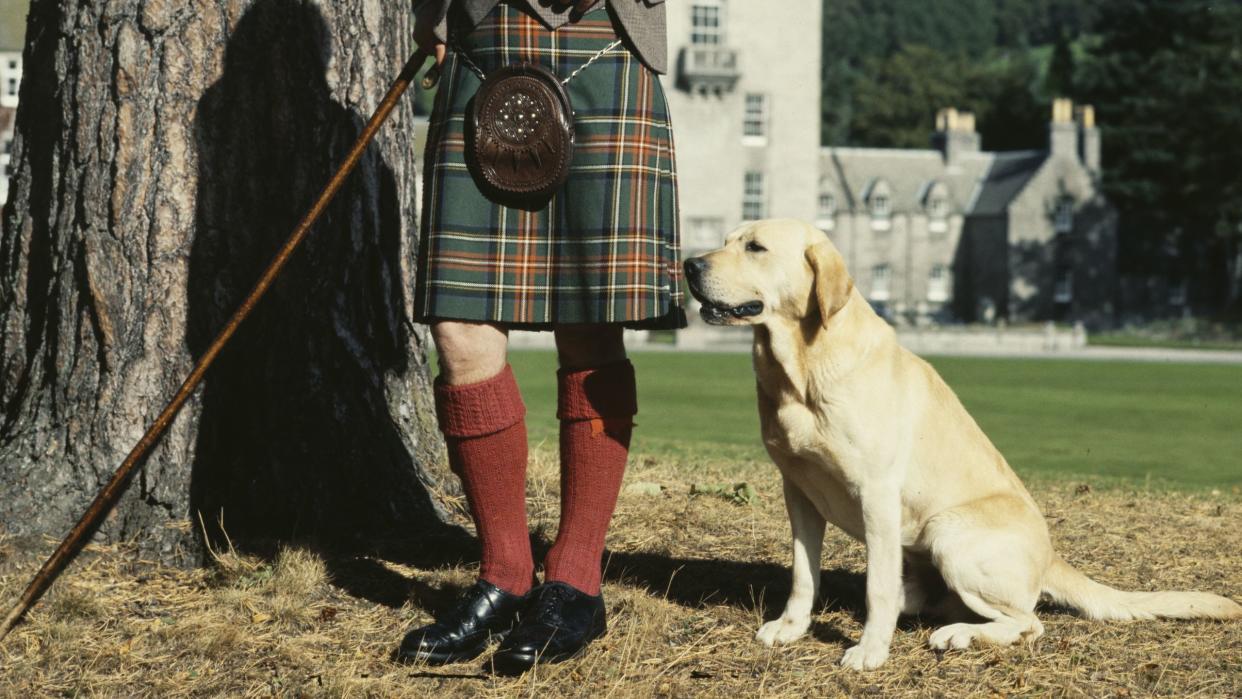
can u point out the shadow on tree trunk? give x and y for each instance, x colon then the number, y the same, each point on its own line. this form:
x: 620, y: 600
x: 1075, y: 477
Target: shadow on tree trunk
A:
x: 297, y: 441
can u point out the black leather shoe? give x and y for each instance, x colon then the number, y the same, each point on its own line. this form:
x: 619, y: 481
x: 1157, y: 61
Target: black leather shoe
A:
x: 557, y: 624
x: 483, y: 611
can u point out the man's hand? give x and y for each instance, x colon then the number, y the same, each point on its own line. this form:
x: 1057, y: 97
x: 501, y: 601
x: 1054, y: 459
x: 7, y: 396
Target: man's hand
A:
x: 426, y: 17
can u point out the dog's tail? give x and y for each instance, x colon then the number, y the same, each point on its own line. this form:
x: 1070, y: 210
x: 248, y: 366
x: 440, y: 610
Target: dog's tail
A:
x: 1065, y: 585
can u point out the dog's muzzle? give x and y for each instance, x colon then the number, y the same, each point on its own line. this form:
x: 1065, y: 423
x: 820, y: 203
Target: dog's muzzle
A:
x: 712, y: 311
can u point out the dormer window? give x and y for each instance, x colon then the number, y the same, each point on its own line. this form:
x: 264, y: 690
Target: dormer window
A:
x: 1063, y: 215
x: 934, y: 198
x: 881, y: 212
x: 938, y: 215
x: 826, y: 209
x: 880, y: 205
x: 827, y: 205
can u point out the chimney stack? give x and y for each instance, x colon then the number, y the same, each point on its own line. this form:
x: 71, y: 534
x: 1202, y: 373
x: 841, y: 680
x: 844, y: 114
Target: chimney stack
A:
x: 1088, y: 139
x: 955, y: 134
x: 1063, y: 132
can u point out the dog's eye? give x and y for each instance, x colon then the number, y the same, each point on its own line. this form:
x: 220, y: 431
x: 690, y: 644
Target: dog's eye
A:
x: 752, y: 246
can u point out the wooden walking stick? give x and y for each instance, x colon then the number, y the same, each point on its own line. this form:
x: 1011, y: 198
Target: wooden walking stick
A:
x: 107, y: 498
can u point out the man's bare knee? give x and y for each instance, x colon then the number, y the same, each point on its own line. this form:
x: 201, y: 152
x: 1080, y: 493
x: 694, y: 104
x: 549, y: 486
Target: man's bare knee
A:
x: 469, y: 352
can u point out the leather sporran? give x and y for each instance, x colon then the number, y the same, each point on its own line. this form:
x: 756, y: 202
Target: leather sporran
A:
x: 520, y: 136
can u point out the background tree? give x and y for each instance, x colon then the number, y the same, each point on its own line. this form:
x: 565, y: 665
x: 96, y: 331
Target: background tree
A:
x: 896, y: 99
x: 859, y: 36
x: 1059, y: 82
x: 163, y: 152
x: 991, y: 56
x: 1166, y: 77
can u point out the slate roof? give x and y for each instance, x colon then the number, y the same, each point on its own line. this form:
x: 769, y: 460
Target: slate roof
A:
x: 13, y: 24
x: 1005, y: 180
x: 979, y: 183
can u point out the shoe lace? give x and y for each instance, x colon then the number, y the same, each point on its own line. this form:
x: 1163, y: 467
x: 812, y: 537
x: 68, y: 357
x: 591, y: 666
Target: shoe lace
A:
x: 548, y: 603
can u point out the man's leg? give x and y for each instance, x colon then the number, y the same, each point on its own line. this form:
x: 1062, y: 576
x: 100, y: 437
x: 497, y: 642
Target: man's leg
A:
x: 596, y: 407
x: 483, y: 420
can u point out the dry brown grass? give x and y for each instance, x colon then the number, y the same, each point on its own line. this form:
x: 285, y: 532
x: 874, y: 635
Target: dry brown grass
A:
x: 689, y: 580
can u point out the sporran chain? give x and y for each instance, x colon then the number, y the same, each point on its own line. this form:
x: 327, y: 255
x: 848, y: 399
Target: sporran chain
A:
x: 474, y: 68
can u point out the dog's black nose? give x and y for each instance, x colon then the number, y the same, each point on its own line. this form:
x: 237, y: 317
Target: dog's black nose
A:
x: 695, y: 266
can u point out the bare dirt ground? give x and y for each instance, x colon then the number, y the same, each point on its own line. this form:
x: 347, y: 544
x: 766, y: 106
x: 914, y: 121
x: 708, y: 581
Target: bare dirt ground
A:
x: 690, y: 578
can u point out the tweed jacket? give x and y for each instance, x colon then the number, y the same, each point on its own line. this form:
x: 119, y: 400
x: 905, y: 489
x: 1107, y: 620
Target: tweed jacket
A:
x: 642, y: 21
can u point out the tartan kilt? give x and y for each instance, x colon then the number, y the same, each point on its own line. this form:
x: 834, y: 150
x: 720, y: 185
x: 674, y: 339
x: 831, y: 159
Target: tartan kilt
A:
x: 605, y: 248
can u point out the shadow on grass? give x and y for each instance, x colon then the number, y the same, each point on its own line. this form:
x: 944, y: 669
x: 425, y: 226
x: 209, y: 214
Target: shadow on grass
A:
x: 688, y: 582
x: 366, y: 576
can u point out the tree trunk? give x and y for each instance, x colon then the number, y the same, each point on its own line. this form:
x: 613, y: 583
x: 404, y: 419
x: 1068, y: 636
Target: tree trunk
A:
x: 164, y: 151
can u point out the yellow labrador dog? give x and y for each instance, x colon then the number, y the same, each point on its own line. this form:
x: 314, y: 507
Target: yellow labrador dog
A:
x: 869, y: 437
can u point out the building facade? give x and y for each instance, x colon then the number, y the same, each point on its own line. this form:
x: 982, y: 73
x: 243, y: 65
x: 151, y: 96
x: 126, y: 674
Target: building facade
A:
x: 957, y: 233
x: 947, y: 233
x: 744, y: 92
x: 12, y: 41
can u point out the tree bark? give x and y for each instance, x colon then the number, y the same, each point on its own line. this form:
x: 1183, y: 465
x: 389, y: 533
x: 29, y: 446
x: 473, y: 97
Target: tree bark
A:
x: 164, y: 151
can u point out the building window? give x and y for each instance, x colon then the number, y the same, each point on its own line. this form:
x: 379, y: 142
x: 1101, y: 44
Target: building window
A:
x: 937, y: 215
x: 879, y: 203
x: 8, y: 146
x: 12, y: 65
x: 938, y: 284
x: 826, y: 212
x: 880, y: 206
x: 753, y: 207
x: 880, y: 275
x: 755, y: 121
x: 703, y: 233
x: 1064, y: 292
x: 881, y: 212
x: 12, y: 88
x: 1063, y: 215
x: 707, y: 23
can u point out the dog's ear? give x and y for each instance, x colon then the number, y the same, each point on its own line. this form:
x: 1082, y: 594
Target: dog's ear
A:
x: 833, y: 284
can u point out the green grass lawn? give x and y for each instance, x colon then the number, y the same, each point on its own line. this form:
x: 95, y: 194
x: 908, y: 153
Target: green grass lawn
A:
x: 1174, y: 425
x: 1132, y: 340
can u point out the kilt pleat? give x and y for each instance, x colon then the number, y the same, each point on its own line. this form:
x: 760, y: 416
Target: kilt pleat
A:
x: 605, y: 248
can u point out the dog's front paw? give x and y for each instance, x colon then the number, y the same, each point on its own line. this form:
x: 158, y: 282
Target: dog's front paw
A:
x: 783, y: 630
x: 862, y: 657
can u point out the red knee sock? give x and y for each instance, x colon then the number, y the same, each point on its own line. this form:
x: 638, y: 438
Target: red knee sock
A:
x: 597, y: 408
x: 485, y: 431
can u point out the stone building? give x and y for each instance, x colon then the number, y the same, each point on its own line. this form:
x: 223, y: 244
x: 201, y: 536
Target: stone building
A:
x: 946, y: 233
x: 957, y: 233
x: 744, y: 90
x: 12, y: 40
